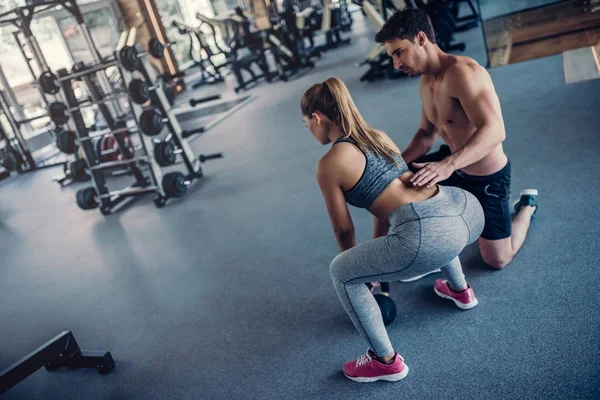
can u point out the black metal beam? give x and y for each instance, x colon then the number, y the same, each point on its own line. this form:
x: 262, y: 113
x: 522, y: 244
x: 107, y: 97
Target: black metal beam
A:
x: 60, y: 351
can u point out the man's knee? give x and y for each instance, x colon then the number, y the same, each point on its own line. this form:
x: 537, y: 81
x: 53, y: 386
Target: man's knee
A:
x: 496, y: 253
x: 498, y: 260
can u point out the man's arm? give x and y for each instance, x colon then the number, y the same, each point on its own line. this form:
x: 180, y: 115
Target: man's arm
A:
x: 337, y: 208
x: 422, y: 141
x: 380, y: 228
x: 474, y: 89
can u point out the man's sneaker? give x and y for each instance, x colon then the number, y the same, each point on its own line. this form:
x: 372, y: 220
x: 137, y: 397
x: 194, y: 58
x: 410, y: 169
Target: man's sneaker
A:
x: 464, y: 300
x: 368, y: 369
x: 528, y: 198
x: 416, y: 278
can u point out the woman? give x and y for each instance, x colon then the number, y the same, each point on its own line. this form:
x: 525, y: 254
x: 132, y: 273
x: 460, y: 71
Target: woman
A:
x: 416, y: 229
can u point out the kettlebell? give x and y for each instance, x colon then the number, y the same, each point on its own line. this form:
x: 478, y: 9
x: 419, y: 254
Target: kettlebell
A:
x: 387, y: 307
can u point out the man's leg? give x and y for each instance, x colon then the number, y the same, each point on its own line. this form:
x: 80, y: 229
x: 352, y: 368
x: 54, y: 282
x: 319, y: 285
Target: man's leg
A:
x: 499, y: 253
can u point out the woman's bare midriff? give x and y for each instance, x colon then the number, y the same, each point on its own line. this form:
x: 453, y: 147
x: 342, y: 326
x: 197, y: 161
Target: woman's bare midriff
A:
x: 399, y: 192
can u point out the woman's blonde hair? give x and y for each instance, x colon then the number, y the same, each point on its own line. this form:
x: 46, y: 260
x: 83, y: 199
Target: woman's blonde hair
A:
x: 333, y: 100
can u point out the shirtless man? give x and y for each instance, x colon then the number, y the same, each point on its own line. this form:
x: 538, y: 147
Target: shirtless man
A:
x: 460, y: 104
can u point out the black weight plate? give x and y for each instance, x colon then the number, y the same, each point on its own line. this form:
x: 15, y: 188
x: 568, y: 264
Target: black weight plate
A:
x: 156, y: 48
x: 129, y: 58
x: 86, y: 198
x: 77, y: 168
x: 138, y: 91
x: 10, y: 161
x: 164, y: 153
x: 65, y: 141
x: 151, y: 122
x: 48, y: 83
x: 58, y: 113
x: 174, y: 184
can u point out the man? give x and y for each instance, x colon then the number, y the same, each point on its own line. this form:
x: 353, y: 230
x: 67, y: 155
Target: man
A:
x: 460, y: 104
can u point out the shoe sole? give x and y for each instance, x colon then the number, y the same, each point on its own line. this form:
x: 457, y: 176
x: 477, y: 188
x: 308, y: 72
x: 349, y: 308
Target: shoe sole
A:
x: 389, y: 378
x: 460, y: 305
x: 416, y: 278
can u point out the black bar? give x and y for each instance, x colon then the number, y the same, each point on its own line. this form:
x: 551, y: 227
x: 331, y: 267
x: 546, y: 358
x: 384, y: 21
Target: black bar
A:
x: 186, y: 133
x: 199, y: 100
x: 208, y: 157
x: 33, y: 361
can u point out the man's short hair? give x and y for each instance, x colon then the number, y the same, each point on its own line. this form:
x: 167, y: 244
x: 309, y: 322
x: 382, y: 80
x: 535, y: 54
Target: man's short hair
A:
x: 406, y: 24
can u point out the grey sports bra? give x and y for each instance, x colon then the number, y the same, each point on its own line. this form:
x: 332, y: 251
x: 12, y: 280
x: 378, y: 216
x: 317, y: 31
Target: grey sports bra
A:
x: 377, y: 175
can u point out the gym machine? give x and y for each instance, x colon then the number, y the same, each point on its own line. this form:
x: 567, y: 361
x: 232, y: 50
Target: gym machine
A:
x: 380, y: 64
x: 61, y: 351
x: 246, y: 48
x: 205, y: 54
x: 22, y: 17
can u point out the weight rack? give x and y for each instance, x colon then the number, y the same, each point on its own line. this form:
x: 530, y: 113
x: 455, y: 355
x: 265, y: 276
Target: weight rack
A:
x: 154, y: 117
x: 21, y: 18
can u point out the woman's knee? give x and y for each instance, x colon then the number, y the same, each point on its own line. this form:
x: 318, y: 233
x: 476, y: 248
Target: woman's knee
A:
x: 336, y: 267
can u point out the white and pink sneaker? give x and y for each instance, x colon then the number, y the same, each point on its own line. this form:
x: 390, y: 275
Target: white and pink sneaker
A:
x: 368, y: 368
x: 464, y: 300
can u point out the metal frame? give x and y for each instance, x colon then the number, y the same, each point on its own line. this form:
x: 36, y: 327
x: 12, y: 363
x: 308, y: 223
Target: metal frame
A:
x: 60, y: 351
x: 22, y: 18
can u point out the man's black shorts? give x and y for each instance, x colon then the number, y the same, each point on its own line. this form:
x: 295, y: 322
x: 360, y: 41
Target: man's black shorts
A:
x: 492, y: 191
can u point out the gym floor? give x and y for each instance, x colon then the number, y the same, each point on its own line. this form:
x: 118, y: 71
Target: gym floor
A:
x: 226, y: 293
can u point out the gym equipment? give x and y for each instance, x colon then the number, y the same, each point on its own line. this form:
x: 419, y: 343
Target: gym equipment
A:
x: 86, y: 198
x: 77, y: 169
x: 48, y: 82
x: 9, y: 158
x: 21, y: 17
x: 380, y: 64
x: 151, y: 122
x: 175, y: 184
x: 58, y: 113
x: 139, y: 90
x: 130, y: 57
x: 210, y: 73
x: 164, y: 153
x: 65, y: 141
x: 387, y: 306
x: 247, y: 48
x: 60, y: 351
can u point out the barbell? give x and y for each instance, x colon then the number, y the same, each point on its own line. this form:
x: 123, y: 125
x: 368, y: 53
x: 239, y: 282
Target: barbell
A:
x: 130, y: 57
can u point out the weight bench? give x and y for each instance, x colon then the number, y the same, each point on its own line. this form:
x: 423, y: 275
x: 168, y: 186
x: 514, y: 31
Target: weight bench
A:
x: 61, y: 351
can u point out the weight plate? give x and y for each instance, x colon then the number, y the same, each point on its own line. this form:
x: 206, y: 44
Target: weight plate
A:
x: 58, y: 113
x: 77, y: 169
x: 48, y: 83
x: 174, y: 184
x: 138, y: 91
x: 151, y: 122
x: 129, y: 58
x: 86, y: 198
x: 164, y: 153
x: 65, y: 141
x: 156, y: 48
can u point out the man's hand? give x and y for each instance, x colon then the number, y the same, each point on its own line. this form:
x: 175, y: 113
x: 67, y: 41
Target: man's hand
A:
x: 431, y: 173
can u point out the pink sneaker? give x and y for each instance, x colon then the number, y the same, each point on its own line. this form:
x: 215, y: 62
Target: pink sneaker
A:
x: 368, y: 369
x: 464, y: 300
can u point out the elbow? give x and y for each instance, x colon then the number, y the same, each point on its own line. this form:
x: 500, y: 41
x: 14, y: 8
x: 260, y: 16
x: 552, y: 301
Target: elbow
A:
x: 343, y: 232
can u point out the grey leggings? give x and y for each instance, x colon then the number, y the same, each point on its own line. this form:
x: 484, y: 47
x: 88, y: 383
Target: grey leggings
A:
x: 423, y: 236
